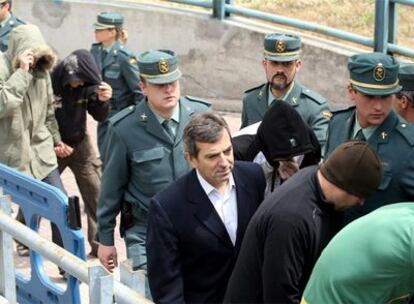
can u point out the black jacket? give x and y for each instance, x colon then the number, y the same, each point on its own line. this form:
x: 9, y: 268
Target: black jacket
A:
x: 282, y: 242
x: 190, y: 254
x: 74, y: 103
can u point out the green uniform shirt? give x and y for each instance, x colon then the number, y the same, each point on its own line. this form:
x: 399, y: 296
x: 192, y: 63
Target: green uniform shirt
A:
x: 393, y: 140
x: 141, y: 160
x: 369, y: 261
x: 313, y: 108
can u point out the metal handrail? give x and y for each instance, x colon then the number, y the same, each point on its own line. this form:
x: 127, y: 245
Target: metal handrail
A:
x: 385, y: 25
x: 64, y: 259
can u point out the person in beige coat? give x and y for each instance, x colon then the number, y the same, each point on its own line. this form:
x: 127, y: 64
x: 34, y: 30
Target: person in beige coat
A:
x: 29, y: 134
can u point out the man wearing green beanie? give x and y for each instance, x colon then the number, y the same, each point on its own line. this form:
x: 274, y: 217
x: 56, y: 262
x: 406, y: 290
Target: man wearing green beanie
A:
x: 292, y: 226
x: 373, y: 87
x: 404, y: 103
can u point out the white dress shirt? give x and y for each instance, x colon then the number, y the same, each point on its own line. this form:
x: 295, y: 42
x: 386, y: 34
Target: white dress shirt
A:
x: 225, y: 204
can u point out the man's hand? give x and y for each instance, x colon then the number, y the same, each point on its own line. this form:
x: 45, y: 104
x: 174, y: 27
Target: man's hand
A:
x: 63, y: 150
x: 287, y: 168
x: 108, y: 257
x: 104, y: 92
x: 25, y: 60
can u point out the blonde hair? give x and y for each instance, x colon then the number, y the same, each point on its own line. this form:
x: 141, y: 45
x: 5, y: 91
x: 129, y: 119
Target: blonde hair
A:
x: 121, y: 35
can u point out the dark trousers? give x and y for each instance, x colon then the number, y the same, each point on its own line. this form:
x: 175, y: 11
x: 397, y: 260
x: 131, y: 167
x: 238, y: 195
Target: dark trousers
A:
x: 86, y: 167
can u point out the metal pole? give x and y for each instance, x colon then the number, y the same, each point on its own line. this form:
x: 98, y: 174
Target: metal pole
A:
x: 59, y: 256
x: 101, y: 284
x: 133, y: 279
x: 7, y: 274
x: 218, y: 9
x: 393, y: 23
x: 381, y: 26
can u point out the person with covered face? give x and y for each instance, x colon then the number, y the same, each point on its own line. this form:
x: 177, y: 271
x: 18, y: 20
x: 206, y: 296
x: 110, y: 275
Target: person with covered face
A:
x: 78, y: 90
x: 281, y: 63
x: 282, y: 143
x: 29, y: 133
x: 291, y: 227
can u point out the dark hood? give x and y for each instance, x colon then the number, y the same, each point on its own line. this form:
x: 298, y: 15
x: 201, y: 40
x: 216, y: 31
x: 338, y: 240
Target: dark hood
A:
x: 283, y: 134
x: 79, y: 65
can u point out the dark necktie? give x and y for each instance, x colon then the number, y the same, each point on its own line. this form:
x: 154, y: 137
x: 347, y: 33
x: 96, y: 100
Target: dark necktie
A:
x: 360, y: 135
x: 104, y: 54
x: 167, y: 124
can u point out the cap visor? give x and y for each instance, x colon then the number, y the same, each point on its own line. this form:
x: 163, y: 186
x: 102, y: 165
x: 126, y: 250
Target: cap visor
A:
x: 282, y: 58
x: 100, y: 26
x: 165, y: 79
x: 377, y: 92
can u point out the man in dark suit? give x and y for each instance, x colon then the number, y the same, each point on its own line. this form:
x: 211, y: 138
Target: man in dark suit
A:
x: 196, y: 225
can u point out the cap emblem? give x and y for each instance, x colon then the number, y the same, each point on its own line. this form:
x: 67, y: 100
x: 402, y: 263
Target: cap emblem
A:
x: 280, y: 46
x: 379, y: 72
x: 164, y: 66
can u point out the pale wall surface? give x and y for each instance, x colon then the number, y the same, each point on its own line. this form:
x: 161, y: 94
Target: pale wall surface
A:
x: 220, y: 60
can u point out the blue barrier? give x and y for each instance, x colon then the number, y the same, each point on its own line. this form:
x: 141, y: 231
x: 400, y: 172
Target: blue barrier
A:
x: 37, y: 199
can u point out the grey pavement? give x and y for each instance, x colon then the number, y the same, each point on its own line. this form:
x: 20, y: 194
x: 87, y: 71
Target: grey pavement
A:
x: 22, y: 264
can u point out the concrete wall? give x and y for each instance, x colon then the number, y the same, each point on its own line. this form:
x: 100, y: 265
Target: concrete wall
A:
x: 219, y: 60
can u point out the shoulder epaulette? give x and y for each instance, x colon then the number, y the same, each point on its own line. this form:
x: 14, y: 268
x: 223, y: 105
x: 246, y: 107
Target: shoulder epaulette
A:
x: 255, y: 88
x: 95, y: 45
x: 342, y: 110
x: 199, y: 100
x: 121, y: 115
x: 313, y: 95
x: 406, y: 130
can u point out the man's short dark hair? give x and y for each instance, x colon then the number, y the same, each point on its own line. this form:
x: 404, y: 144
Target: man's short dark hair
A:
x: 206, y: 127
x: 409, y: 95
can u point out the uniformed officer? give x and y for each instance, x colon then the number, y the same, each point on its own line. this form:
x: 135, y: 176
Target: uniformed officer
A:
x: 146, y: 155
x: 373, y: 85
x: 281, y: 63
x: 8, y: 21
x: 404, y: 103
x: 118, y: 66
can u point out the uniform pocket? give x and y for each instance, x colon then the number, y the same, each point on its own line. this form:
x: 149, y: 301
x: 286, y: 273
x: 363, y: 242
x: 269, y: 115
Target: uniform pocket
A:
x: 113, y: 76
x: 151, y: 169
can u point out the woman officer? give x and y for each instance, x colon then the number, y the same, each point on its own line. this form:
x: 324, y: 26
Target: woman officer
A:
x: 118, y: 67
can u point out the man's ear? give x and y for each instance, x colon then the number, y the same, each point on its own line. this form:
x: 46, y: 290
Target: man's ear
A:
x: 298, y: 65
x: 143, y: 87
x: 351, y: 91
x: 190, y: 159
x: 404, y: 102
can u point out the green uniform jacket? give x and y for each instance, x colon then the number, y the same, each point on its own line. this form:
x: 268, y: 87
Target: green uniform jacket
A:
x: 6, y: 29
x: 141, y: 160
x: 313, y: 108
x: 28, y: 128
x: 119, y: 69
x: 393, y: 140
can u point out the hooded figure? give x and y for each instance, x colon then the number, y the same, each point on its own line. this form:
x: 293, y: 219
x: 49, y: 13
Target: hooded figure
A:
x: 28, y: 128
x: 73, y: 102
x: 282, y: 143
x: 78, y: 89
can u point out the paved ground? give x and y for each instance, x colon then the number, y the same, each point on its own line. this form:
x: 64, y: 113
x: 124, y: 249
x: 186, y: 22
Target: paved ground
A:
x: 22, y: 264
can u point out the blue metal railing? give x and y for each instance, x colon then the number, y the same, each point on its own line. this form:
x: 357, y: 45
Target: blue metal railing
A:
x: 386, y: 23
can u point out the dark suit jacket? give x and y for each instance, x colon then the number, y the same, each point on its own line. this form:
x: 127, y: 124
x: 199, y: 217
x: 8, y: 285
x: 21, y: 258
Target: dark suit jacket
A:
x: 190, y: 254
